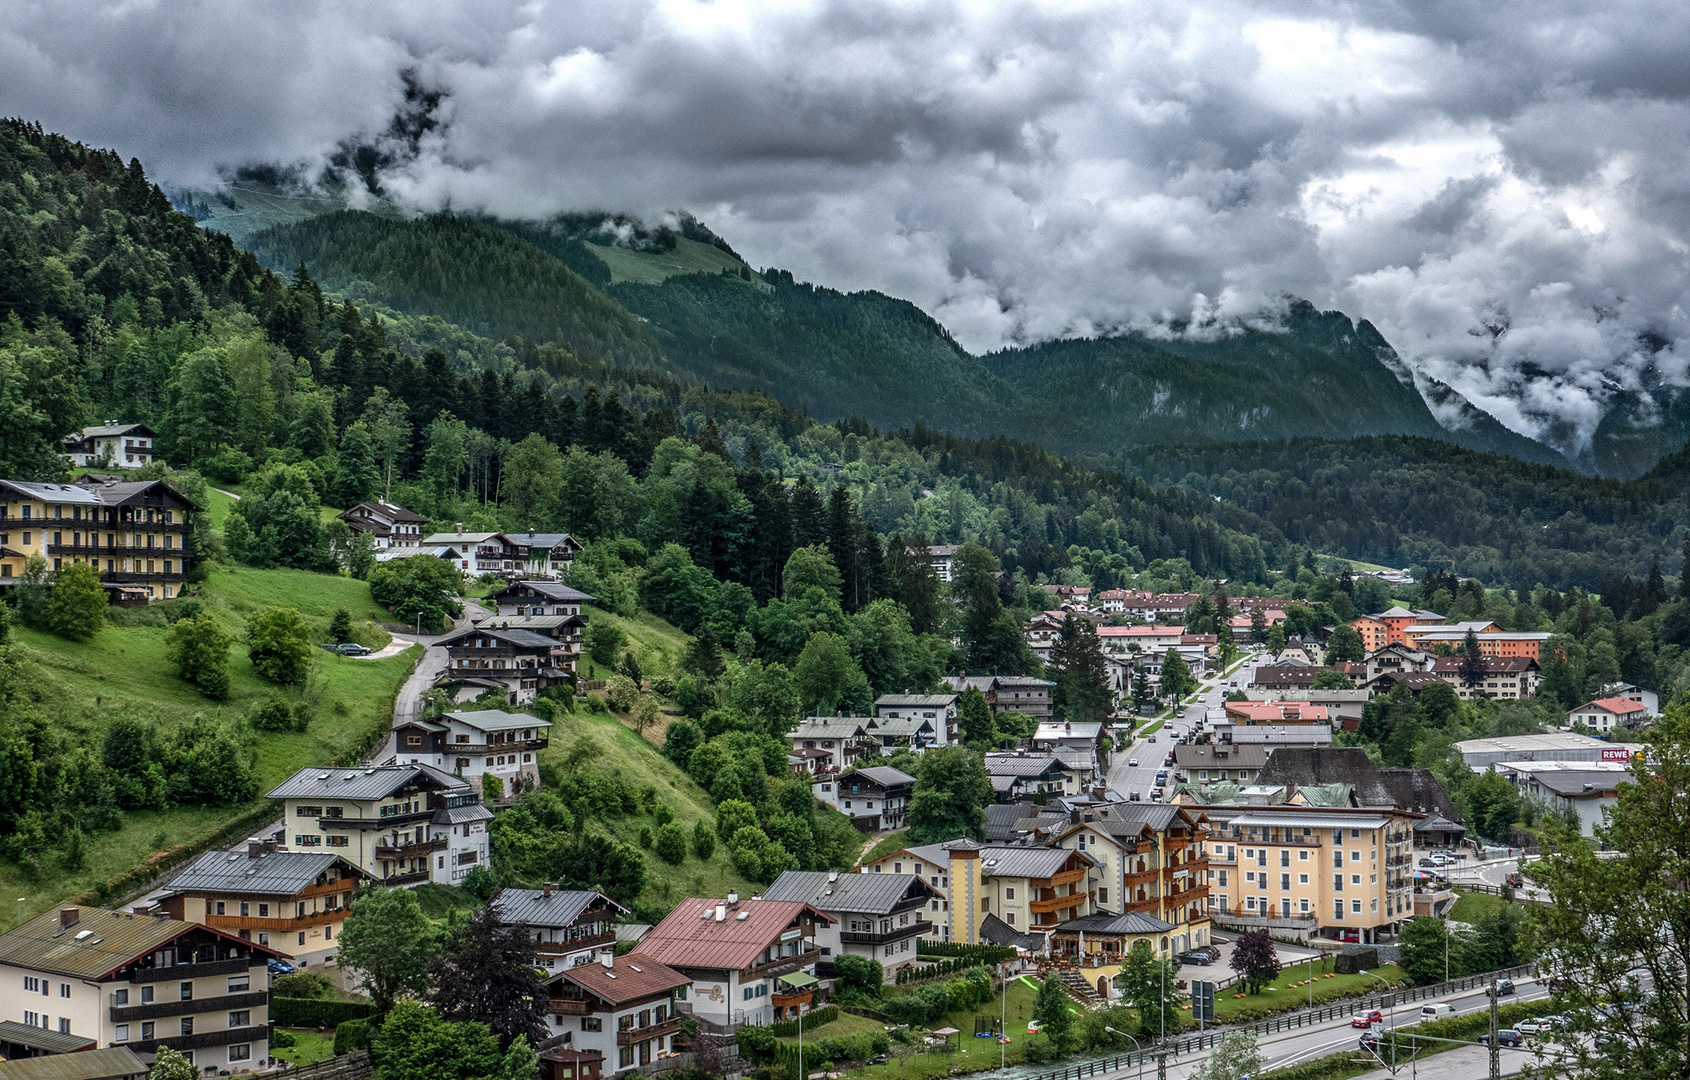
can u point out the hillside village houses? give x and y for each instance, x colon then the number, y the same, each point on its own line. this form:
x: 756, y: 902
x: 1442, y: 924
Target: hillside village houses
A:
x: 615, y: 1014
x: 140, y: 981
x: 1605, y: 715
x: 391, y: 528
x: 930, y: 719
x: 137, y: 534
x: 569, y: 927
x: 479, y: 552
x: 111, y: 445
x: 519, y: 663
x: 294, y: 902
x: 475, y: 744
x: 735, y: 952
x: 824, y: 744
x: 874, y: 798
x: 399, y: 824
x: 1022, y: 694
x: 876, y: 916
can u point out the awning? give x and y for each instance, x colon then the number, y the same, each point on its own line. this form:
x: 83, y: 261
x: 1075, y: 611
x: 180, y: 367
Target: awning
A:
x: 798, y: 979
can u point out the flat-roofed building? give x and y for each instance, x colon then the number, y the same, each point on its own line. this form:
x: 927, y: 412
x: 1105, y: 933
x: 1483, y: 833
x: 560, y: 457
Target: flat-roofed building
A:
x: 1554, y: 746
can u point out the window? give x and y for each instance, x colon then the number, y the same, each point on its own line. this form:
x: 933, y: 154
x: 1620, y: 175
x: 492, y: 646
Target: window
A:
x: 1355, y: 906
x: 1223, y: 879
x: 240, y: 1052
x: 1302, y: 856
x: 1250, y: 876
x: 122, y: 1034
x: 1303, y: 905
x: 1302, y: 879
x: 30, y: 1019
x: 1285, y: 882
x: 307, y: 840
x: 1009, y: 894
x: 1355, y: 879
x: 147, y: 1031
x: 625, y: 1057
x: 31, y: 984
x: 307, y: 811
x: 1355, y: 856
x: 1103, y: 896
x: 64, y: 1025
x: 246, y: 908
x: 592, y: 1023
x: 187, y: 991
x: 1284, y: 857
x: 338, y: 841
x: 1009, y: 917
x: 1337, y: 882
x: 220, y: 908
x: 64, y: 990
x: 146, y: 995
x: 120, y: 997
x: 240, y: 984
x: 1338, y: 910
x: 187, y: 1025
x: 240, y: 1018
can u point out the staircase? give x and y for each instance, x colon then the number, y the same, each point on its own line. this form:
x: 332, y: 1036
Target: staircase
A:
x: 1081, y: 989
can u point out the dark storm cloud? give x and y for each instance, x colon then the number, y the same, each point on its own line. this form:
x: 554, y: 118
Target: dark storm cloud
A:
x: 1501, y: 187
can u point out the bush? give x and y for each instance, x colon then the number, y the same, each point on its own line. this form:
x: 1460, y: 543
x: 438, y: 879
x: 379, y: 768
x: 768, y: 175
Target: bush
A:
x: 315, y: 1013
x: 492, y: 787
x: 302, y: 986
x: 200, y: 650
x: 670, y: 843
x: 703, y: 842
x: 279, y: 645
x: 281, y: 1040
x: 275, y: 714
x: 77, y: 608
x: 350, y: 1035
x: 340, y: 627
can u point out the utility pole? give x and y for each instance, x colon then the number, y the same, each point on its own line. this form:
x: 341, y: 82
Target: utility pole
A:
x: 1495, y: 1049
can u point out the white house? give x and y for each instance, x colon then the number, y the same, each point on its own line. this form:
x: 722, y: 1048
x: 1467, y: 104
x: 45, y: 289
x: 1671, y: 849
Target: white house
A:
x: 111, y: 446
x: 623, y: 1009
x: 940, y: 710
x: 874, y: 798
x: 1605, y: 714
x: 391, y: 528
x: 474, y: 744
x: 876, y: 916
x: 568, y: 926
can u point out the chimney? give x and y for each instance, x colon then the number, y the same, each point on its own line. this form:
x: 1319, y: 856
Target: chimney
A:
x: 254, y: 848
x: 547, y: 891
x: 608, y: 958
x: 733, y: 898
x: 68, y: 916
x: 832, y: 876
x: 460, y: 528
x: 721, y: 912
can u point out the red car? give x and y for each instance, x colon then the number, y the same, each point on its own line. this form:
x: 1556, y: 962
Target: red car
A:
x: 1369, y: 1016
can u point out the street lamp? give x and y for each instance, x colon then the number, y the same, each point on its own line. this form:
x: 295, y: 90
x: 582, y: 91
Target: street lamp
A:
x: 1136, y: 1047
x: 1391, y: 1004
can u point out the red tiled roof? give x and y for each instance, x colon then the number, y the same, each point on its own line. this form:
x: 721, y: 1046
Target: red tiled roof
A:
x: 1615, y: 705
x: 686, y: 938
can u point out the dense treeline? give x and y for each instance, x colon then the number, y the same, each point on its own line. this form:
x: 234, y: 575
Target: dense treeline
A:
x: 1419, y: 502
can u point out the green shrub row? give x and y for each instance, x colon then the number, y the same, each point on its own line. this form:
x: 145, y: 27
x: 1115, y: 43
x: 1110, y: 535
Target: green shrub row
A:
x: 979, y: 954
x: 940, y: 969
x: 316, y: 1013
x: 836, y: 1048
x: 814, y: 1019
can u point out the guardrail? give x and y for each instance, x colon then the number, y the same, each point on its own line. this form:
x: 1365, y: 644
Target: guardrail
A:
x: 1190, y: 1044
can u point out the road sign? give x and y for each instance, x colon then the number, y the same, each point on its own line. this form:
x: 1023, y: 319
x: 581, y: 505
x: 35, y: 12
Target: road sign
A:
x: 1203, y: 1001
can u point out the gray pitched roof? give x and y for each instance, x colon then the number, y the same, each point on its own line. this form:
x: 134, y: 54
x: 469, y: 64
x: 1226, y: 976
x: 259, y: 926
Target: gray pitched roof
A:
x: 1022, y: 765
x: 828, y: 727
x: 538, y: 540
x: 106, y: 430
x: 914, y: 701
x: 278, y: 873
x: 362, y: 784
x: 532, y: 907
x: 458, y: 815
x: 498, y: 720
x: 1104, y: 922
x: 899, y: 725
x: 552, y: 589
x: 109, y: 1063
x: 1232, y: 756
x: 523, y: 638
x: 994, y: 931
x: 884, y: 775
x: 871, y: 893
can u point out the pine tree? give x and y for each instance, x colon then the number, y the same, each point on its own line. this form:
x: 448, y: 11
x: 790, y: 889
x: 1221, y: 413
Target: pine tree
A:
x: 1077, y: 666
x: 1473, y: 667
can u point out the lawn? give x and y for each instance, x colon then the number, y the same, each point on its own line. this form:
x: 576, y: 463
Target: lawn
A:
x: 1290, y: 991
x: 1470, y: 907
x: 970, y: 1055
x: 657, y: 645
x: 617, y: 748
x: 887, y: 846
x: 310, y: 1046
x: 125, y: 669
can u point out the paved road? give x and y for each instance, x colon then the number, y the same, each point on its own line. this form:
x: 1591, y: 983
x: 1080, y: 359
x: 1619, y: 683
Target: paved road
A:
x: 1125, y: 777
x: 1306, y: 1044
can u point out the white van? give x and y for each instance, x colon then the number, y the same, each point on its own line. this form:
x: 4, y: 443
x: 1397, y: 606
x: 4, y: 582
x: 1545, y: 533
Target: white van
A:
x: 1437, y: 1012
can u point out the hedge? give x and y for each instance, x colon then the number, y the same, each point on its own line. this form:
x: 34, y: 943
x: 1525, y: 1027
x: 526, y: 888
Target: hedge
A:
x: 940, y: 969
x: 316, y: 1013
x: 837, y: 1048
x: 978, y: 954
x: 815, y: 1018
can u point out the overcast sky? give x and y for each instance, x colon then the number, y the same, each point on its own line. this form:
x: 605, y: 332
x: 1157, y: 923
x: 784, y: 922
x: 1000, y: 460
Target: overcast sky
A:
x: 1501, y: 187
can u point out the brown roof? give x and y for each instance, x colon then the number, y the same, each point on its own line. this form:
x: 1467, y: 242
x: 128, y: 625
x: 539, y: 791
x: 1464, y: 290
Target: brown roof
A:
x: 1406, y: 789
x: 690, y: 937
x: 101, y: 941
x: 634, y: 977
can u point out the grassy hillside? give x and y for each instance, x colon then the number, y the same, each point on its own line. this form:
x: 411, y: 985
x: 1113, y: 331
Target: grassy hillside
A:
x: 124, y: 670
x: 654, y: 268
x: 618, y: 749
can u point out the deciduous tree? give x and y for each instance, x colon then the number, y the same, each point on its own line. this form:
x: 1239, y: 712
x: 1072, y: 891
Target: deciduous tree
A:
x: 77, y: 609
x: 387, y: 944
x: 487, y: 974
x: 952, y: 792
x: 1255, y: 960
x: 279, y: 645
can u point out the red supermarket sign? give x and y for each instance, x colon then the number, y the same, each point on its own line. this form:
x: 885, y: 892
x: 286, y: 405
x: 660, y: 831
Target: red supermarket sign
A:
x: 1616, y: 753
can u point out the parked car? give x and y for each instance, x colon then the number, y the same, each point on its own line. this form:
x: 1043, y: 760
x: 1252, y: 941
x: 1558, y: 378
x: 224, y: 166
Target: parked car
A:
x: 1437, y: 1010
x: 1505, y: 1037
x: 1504, y: 987
x: 1428, y: 864
x: 280, y: 967
x: 1367, y: 1016
x: 1534, y: 1027
x: 352, y: 648
x: 1201, y: 959
x: 1214, y: 953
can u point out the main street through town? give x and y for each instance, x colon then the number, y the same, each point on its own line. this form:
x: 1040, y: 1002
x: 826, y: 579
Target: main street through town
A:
x: 1151, y: 751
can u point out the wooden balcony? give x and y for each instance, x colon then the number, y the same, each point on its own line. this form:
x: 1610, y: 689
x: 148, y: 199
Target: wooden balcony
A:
x: 569, y: 1007
x: 632, y: 1036
x: 788, y: 1001
x: 1059, y: 903
x: 203, y: 970
x: 1066, y: 877
x: 410, y: 851
x: 784, y: 965
x: 237, y: 923
x: 559, y: 948
x: 123, y: 1014
x: 1141, y: 877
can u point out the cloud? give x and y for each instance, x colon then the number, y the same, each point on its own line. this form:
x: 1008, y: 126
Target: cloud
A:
x: 1500, y: 187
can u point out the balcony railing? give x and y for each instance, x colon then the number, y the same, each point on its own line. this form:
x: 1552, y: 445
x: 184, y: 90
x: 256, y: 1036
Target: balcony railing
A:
x: 200, y: 1040
x: 558, y: 948
x: 858, y: 937
x: 202, y: 970
x: 1058, y: 903
x: 409, y: 851
x: 416, y: 877
x: 797, y: 998
x: 121, y: 1014
x: 651, y: 1031
x: 784, y: 965
x: 570, y: 1007
x: 275, y: 925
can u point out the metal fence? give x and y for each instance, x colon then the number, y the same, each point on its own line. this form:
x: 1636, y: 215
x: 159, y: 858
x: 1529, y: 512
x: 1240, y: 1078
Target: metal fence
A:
x: 353, y: 1066
x: 1324, y: 1014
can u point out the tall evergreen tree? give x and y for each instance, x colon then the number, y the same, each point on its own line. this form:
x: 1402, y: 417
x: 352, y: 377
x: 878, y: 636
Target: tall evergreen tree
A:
x: 1082, y: 693
x: 809, y: 518
x: 1472, y: 661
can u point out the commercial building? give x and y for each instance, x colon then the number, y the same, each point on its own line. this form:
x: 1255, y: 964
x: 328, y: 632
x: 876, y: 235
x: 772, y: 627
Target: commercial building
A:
x: 121, y: 979
x: 1147, y: 859
x: 1555, y: 746
x: 138, y: 535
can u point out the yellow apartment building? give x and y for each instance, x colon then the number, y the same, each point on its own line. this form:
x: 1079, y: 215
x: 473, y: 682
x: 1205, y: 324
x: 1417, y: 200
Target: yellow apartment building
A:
x: 137, y: 533
x: 1310, y: 871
